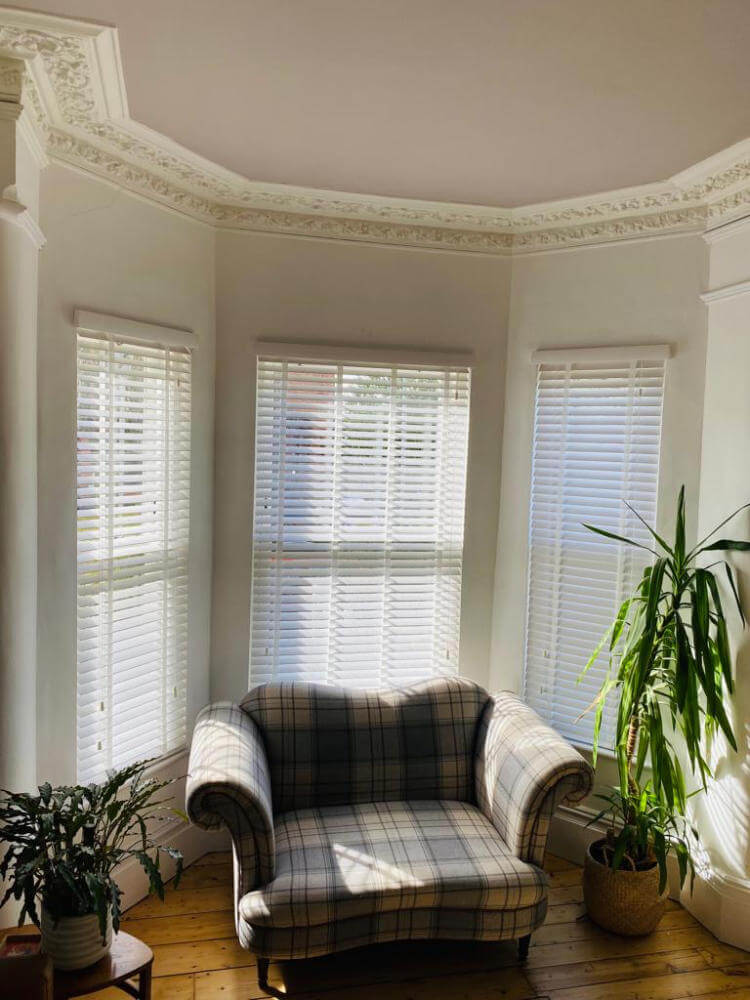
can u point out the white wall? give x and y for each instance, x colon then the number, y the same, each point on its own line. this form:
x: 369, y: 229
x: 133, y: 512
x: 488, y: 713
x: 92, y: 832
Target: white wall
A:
x: 724, y: 816
x: 307, y: 290
x: 110, y: 252
x: 636, y: 293
x: 19, y: 265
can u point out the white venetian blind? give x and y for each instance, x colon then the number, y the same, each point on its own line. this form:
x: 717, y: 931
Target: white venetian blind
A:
x: 596, y: 444
x: 360, y: 474
x: 133, y: 524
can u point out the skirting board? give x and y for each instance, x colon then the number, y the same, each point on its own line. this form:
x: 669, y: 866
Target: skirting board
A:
x: 191, y: 840
x: 720, y: 902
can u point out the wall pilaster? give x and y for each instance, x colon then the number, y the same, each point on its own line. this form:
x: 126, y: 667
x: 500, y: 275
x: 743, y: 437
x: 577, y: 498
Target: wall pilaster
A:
x: 20, y: 241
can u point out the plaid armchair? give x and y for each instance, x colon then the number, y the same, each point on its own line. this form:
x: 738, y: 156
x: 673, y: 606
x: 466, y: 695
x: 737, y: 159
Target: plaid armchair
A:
x: 360, y: 816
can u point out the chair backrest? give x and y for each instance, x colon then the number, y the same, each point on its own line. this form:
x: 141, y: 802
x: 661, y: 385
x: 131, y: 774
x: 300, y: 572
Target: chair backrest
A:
x: 330, y: 746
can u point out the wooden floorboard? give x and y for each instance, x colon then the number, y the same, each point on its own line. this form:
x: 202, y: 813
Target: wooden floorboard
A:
x: 197, y: 957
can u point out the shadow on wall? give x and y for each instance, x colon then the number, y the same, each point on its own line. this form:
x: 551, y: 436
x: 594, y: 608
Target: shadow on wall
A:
x: 723, y: 815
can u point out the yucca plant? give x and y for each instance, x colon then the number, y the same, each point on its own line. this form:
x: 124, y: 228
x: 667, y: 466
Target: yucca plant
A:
x: 671, y: 669
x: 63, y: 845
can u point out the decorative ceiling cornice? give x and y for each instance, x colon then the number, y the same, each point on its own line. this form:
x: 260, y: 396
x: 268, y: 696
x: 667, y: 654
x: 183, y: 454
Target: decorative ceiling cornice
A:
x: 76, y: 113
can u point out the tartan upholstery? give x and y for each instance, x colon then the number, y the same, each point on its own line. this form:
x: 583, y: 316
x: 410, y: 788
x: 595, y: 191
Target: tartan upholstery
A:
x: 359, y: 817
x: 229, y: 785
x: 394, y: 925
x: 349, y: 861
x: 330, y: 746
x: 524, y: 771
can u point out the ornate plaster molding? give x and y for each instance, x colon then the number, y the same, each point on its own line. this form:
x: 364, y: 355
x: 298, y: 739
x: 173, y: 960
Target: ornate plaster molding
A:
x: 11, y: 80
x: 76, y: 113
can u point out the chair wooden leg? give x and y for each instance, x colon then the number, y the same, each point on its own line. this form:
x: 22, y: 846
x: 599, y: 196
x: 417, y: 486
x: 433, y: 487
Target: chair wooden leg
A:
x: 263, y: 983
x: 263, y: 964
x: 523, y: 947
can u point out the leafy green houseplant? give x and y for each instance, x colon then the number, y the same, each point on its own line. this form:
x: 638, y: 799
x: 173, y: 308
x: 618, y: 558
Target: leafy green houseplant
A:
x: 62, y: 847
x: 671, y: 670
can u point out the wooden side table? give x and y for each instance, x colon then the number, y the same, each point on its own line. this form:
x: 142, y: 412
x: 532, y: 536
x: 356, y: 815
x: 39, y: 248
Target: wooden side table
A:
x: 128, y: 959
x: 28, y: 976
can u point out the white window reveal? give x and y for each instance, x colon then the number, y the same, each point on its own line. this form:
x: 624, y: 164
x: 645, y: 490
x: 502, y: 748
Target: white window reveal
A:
x: 133, y: 512
x: 360, y: 480
x: 597, y: 432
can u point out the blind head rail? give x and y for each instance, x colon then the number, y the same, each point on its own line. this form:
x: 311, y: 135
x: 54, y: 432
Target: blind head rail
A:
x: 133, y: 331
x: 582, y: 355
x: 389, y: 356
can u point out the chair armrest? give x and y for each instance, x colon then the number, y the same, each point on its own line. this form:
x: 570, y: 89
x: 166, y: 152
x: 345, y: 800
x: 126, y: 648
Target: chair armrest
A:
x: 523, y: 771
x: 229, y: 784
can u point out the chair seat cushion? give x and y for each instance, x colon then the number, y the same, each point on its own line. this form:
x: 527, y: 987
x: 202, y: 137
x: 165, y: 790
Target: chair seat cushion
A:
x: 338, y: 862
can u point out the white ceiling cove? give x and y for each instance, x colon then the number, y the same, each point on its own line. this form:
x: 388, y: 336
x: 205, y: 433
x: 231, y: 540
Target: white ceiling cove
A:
x: 489, y: 102
x: 420, y: 122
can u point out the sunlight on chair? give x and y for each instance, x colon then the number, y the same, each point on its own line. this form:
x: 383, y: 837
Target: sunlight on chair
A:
x: 361, y: 871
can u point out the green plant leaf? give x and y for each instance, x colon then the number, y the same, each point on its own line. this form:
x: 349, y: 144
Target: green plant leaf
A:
x: 643, y: 747
x: 658, y: 538
x: 699, y: 547
x: 682, y: 860
x: 618, y: 538
x: 594, y: 656
x: 722, y: 638
x: 727, y: 545
x: 735, y: 592
x: 679, y: 531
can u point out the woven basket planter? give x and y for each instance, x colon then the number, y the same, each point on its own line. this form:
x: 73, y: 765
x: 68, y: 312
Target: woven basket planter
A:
x: 74, y: 942
x: 625, y: 902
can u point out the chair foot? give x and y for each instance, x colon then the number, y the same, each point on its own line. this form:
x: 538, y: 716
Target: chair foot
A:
x: 263, y: 983
x: 263, y: 964
x: 523, y: 947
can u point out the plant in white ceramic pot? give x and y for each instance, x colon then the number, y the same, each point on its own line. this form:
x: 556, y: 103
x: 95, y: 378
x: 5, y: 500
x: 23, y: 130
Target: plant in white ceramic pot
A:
x: 62, y: 847
x: 671, y: 669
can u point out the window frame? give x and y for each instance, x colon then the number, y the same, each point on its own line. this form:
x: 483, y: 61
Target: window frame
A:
x: 120, y: 330
x: 614, y: 356
x: 345, y: 355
